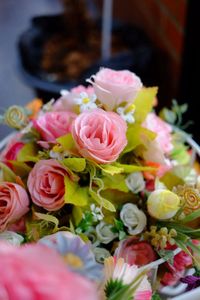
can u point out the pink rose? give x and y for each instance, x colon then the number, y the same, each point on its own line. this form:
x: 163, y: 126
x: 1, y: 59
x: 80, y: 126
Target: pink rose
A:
x: 11, y: 150
x: 36, y: 272
x: 14, y: 203
x: 66, y: 101
x: 46, y: 184
x: 100, y: 135
x: 52, y: 125
x: 135, y: 252
x: 114, y: 87
x: 163, y: 131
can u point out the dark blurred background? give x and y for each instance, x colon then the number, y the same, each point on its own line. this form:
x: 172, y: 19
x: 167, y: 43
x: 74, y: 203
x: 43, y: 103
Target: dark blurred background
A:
x: 47, y: 45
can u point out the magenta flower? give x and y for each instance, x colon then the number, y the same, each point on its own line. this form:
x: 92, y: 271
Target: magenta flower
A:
x: 192, y: 281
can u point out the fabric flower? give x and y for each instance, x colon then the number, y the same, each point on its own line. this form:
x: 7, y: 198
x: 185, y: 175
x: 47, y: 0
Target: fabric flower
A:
x: 181, y: 261
x: 133, y: 218
x: 163, y: 131
x: 100, y: 135
x: 192, y: 281
x: 115, y: 87
x: 14, y: 203
x: 66, y: 101
x: 163, y: 204
x: 86, y: 102
x: 38, y: 273
x: 46, y: 184
x: 96, y: 213
x: 127, y: 113
x: 135, y: 182
x: 52, y: 125
x: 135, y: 252
x: 11, y: 150
x: 119, y: 274
x: 76, y: 254
x: 105, y: 233
x: 11, y: 237
x: 101, y: 254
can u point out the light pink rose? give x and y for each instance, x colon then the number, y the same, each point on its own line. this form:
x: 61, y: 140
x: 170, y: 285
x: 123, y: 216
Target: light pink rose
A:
x: 14, y: 203
x: 35, y: 272
x: 100, y: 135
x: 114, y: 87
x: 163, y: 131
x: 52, y: 125
x: 66, y: 102
x: 46, y: 184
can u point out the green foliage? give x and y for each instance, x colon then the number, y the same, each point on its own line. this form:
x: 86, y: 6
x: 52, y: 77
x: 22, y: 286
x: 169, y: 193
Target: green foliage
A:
x: 133, y: 168
x: 85, y: 223
x: 119, y: 228
x: 6, y: 173
x: 155, y: 296
x: 75, y: 164
x: 74, y: 194
x: 115, y: 182
x: 28, y: 152
x: 144, y: 103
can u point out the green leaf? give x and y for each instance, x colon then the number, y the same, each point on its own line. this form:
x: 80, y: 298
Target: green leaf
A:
x: 170, y: 180
x: 28, y: 153
x: 75, y: 164
x: 144, y: 103
x: 115, y: 182
x: 135, y: 135
x: 134, y: 168
x: 194, y: 215
x: 110, y: 169
x: 20, y: 168
x: 7, y: 173
x: 102, y: 201
x: 74, y: 194
x: 156, y: 296
x: 48, y: 218
x: 67, y: 142
x: 77, y: 215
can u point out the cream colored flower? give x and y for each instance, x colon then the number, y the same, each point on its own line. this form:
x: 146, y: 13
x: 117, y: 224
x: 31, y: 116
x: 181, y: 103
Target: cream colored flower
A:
x: 163, y: 204
x: 104, y: 233
x: 135, y: 182
x: 133, y: 218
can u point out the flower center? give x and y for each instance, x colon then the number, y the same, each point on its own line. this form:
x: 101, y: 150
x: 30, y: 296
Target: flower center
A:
x: 130, y: 108
x: 85, y: 100
x: 73, y: 260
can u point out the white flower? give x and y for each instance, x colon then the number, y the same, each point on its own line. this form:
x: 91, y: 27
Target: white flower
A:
x: 127, y: 113
x: 86, y: 102
x: 64, y: 92
x: 11, y: 237
x: 101, y: 254
x: 104, y: 233
x: 191, y: 178
x: 159, y: 185
x: 96, y: 213
x: 133, y: 218
x: 135, y: 182
x: 126, y: 274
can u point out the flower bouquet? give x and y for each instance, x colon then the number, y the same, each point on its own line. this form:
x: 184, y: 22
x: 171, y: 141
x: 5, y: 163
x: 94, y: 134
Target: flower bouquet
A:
x: 99, y: 196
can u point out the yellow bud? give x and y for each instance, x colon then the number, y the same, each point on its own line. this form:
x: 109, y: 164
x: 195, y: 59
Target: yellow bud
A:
x: 163, y: 204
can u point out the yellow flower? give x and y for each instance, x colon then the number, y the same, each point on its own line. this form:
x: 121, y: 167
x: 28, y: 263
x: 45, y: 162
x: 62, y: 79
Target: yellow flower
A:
x: 163, y: 204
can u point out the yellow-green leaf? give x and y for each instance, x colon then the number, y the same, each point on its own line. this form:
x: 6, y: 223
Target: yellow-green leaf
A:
x: 102, y: 201
x: 48, y: 218
x: 110, y: 169
x: 66, y: 141
x: 75, y: 164
x: 116, y: 182
x: 135, y: 135
x: 144, y: 103
x: 7, y: 173
x: 28, y: 153
x: 74, y: 194
x: 134, y: 168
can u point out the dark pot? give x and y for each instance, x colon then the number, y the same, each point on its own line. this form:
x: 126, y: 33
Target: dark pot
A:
x: 140, y: 56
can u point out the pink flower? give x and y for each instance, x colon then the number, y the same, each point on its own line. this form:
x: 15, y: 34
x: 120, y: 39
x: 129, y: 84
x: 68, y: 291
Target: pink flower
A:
x: 36, y: 272
x: 181, y: 261
x: 135, y: 252
x: 66, y: 101
x: 52, y: 125
x: 163, y: 131
x: 14, y: 203
x: 46, y: 184
x: 114, y: 87
x: 11, y: 150
x: 100, y: 135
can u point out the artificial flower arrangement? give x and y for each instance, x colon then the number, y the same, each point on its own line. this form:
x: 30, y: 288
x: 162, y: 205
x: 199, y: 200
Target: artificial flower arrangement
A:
x: 99, y: 196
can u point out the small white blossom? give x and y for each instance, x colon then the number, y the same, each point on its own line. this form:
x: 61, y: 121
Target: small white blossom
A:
x: 64, y: 92
x: 133, y: 218
x: 104, y: 233
x: 127, y: 113
x: 11, y: 237
x: 96, y: 213
x: 135, y: 182
x: 86, y: 102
